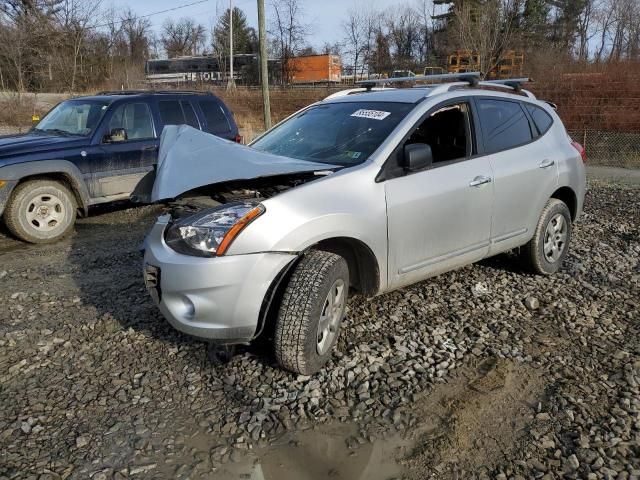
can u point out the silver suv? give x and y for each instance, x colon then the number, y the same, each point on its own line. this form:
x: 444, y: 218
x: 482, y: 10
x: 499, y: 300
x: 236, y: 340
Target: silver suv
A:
x: 361, y: 193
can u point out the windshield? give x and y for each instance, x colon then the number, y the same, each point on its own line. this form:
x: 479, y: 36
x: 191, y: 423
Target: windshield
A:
x: 74, y: 117
x: 337, y: 133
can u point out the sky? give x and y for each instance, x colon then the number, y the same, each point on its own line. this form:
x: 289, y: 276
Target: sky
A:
x: 324, y: 16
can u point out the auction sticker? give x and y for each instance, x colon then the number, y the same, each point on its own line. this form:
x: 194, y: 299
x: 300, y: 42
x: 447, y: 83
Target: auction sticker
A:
x: 372, y: 114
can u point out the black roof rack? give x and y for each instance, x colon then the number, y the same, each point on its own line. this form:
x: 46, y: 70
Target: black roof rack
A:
x: 515, y: 83
x: 472, y: 78
x: 154, y: 92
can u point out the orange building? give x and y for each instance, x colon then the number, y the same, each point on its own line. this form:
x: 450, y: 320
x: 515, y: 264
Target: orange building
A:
x: 314, y: 68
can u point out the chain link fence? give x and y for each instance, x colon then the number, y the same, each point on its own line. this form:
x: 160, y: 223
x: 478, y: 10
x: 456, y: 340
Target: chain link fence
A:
x: 613, y: 149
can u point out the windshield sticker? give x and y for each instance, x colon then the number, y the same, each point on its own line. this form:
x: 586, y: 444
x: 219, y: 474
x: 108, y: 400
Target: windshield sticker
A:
x: 351, y: 154
x: 372, y: 114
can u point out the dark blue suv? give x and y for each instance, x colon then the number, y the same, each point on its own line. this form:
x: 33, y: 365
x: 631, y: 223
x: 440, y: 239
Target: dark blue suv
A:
x: 91, y: 150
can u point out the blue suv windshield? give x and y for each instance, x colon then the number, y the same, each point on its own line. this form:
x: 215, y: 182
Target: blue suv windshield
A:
x: 74, y: 117
x: 337, y: 133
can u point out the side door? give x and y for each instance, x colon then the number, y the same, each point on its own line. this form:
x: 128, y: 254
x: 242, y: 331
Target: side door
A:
x: 525, y: 172
x: 127, y: 152
x: 440, y: 218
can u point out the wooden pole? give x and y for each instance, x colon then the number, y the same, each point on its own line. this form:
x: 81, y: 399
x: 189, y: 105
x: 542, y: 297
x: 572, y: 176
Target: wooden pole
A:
x: 264, y: 70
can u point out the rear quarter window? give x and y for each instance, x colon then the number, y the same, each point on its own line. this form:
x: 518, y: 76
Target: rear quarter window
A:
x: 504, y: 124
x: 171, y: 112
x: 214, y: 115
x: 541, y: 119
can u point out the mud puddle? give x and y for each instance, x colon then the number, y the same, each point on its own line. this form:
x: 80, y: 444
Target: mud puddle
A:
x: 318, y: 453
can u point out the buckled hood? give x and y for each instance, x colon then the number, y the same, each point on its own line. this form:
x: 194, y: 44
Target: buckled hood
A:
x: 190, y: 159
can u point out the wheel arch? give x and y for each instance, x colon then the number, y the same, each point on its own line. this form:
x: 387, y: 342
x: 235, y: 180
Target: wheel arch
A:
x: 569, y: 197
x: 364, y: 275
x: 364, y: 272
x: 59, y: 170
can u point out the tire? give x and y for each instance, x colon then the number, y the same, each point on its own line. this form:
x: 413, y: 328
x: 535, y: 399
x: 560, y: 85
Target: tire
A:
x: 40, y: 211
x: 303, y: 344
x: 555, y: 228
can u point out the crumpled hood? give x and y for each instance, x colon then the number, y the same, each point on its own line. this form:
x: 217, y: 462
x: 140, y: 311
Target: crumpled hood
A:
x: 189, y: 159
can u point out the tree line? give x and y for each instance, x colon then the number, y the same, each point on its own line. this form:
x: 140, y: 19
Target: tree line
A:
x: 73, y: 45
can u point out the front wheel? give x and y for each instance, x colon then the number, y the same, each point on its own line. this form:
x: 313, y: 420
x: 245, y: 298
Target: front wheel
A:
x: 311, y: 312
x: 40, y: 211
x: 547, y: 249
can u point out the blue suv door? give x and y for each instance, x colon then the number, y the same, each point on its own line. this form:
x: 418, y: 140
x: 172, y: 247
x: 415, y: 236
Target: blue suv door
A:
x: 121, y: 161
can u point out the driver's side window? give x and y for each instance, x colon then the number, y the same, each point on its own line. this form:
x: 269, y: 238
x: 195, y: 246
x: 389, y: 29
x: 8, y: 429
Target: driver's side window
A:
x: 134, y: 119
x: 447, y: 131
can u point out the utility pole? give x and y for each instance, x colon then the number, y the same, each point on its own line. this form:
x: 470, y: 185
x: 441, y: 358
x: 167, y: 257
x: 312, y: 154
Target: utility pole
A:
x: 264, y: 70
x: 231, y: 83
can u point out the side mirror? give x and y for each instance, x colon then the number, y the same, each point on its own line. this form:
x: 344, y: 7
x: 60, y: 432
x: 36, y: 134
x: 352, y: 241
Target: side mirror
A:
x: 417, y: 156
x: 116, y: 135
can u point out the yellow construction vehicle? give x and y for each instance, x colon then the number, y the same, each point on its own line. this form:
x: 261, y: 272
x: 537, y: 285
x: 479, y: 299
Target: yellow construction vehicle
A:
x: 509, y: 66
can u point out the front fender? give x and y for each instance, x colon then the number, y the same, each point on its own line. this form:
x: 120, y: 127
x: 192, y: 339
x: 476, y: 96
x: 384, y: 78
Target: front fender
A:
x: 349, y: 205
x: 16, y: 172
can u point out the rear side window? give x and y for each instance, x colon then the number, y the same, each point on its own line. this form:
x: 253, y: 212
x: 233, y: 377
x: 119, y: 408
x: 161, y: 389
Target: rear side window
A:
x: 189, y: 114
x: 541, y: 118
x: 171, y: 112
x: 504, y: 124
x: 215, y: 117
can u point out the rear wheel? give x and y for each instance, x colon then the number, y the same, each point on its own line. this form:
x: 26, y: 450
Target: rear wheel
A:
x: 311, y: 312
x: 40, y: 211
x: 548, y: 248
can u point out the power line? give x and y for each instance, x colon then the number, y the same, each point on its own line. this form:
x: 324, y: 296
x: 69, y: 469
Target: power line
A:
x: 151, y: 14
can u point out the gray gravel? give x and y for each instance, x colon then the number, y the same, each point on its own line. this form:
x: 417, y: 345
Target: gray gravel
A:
x: 95, y: 384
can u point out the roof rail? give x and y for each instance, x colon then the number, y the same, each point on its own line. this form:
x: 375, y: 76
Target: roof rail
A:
x: 472, y: 78
x: 154, y: 92
x: 513, y: 83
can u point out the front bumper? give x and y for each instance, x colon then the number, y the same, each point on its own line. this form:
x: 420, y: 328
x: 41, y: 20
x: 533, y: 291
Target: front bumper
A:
x: 214, y: 298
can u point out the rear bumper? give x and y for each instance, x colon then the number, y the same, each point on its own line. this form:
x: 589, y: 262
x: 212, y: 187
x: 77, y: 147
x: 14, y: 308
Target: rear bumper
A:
x: 213, y: 298
x: 5, y: 193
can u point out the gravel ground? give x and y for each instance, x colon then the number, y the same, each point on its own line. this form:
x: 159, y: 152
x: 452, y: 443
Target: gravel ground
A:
x: 483, y: 372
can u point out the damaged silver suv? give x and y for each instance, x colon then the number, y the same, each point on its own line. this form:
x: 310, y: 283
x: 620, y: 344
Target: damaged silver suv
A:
x: 365, y: 192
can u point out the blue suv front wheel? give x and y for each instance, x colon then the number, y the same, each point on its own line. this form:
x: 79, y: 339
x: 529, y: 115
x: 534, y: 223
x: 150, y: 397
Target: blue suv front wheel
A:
x: 40, y: 211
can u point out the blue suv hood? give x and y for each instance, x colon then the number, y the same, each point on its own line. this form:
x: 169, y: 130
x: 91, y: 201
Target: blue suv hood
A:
x: 27, y: 143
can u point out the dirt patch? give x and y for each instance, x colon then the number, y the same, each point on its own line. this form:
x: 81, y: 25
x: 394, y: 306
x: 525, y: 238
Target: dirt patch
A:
x: 475, y: 420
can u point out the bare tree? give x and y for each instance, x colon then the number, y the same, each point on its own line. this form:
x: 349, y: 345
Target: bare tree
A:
x: 486, y: 31
x: 405, y: 35
x: 288, y: 31
x: 184, y: 37
x: 354, y: 28
x: 73, y: 19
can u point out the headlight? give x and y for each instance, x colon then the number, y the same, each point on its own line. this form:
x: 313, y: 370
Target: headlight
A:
x: 210, y: 232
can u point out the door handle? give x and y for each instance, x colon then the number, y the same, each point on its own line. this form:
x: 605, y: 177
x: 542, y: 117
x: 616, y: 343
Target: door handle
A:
x: 479, y: 180
x: 546, y: 163
x: 150, y: 148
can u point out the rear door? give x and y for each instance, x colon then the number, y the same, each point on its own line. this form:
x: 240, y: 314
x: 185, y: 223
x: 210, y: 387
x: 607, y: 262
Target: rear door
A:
x: 440, y: 218
x: 525, y: 172
x: 121, y: 162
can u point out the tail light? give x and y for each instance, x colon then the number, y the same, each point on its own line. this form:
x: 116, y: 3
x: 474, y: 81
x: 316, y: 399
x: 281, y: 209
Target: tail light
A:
x: 237, y: 138
x: 581, y: 150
